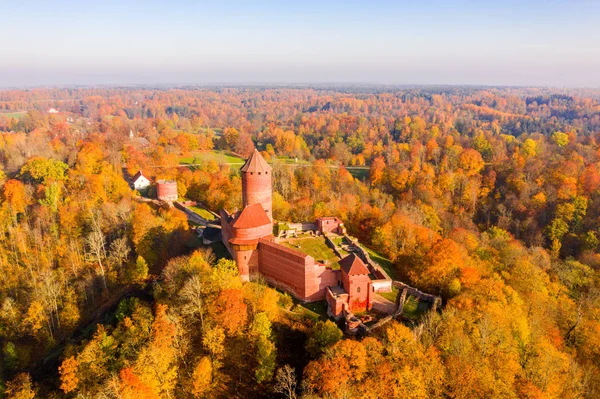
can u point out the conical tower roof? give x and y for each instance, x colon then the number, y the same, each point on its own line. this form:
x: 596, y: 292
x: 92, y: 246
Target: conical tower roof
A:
x: 256, y: 163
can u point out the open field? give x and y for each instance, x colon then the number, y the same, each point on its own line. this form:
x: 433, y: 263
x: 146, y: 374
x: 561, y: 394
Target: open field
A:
x: 384, y: 262
x: 315, y: 247
x: 391, y: 296
x: 16, y: 115
x: 359, y: 172
x: 414, y: 309
x: 315, y: 310
x: 203, y: 213
x: 206, y: 156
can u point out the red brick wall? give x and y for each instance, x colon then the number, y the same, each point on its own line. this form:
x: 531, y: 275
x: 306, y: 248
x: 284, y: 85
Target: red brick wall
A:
x: 226, y: 232
x: 247, y: 262
x: 329, y: 224
x: 318, y: 278
x: 166, y: 191
x: 298, y: 274
x: 336, y: 305
x: 358, y: 300
x: 282, y: 268
x: 258, y: 189
x: 254, y: 232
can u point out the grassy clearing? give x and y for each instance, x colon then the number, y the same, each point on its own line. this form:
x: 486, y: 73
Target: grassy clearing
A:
x: 338, y: 240
x: 203, y: 213
x: 216, y: 130
x: 315, y: 311
x: 390, y: 296
x: 414, y: 309
x: 292, y: 161
x: 384, y: 262
x: 360, y: 173
x: 219, y: 157
x: 315, y: 247
x: 16, y: 115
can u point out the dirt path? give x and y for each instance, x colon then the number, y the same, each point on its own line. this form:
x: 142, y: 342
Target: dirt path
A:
x: 383, y: 305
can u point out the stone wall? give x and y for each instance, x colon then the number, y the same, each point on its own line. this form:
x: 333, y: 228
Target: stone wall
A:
x: 330, y: 225
x: 382, y: 285
x: 406, y: 290
x: 335, y: 304
x: 334, y: 247
x: 226, y: 232
x: 302, y: 226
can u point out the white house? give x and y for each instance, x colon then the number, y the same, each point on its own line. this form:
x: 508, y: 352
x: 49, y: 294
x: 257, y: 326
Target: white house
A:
x: 139, y: 181
x: 53, y: 111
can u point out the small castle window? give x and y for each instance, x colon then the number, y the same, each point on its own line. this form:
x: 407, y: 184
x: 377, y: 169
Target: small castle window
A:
x: 357, y: 289
x: 267, y: 172
x: 251, y: 173
x: 259, y: 173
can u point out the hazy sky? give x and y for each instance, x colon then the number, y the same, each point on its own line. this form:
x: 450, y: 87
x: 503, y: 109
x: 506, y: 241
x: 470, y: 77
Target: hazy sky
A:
x: 548, y: 43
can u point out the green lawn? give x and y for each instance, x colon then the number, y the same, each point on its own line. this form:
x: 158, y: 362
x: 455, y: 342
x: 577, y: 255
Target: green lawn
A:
x: 315, y: 247
x: 359, y: 172
x: 391, y: 296
x: 216, y: 130
x: 315, y: 311
x: 290, y: 160
x: 413, y: 309
x: 338, y: 240
x: 16, y: 115
x: 203, y: 213
x: 384, y: 262
x: 206, y: 156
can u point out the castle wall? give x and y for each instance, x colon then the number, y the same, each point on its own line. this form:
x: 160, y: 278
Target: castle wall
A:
x: 295, y: 272
x: 247, y: 262
x: 226, y: 232
x: 330, y: 224
x: 283, y: 267
x: 166, y: 190
x: 318, y: 278
x: 336, y: 304
x: 254, y: 232
x: 359, y: 289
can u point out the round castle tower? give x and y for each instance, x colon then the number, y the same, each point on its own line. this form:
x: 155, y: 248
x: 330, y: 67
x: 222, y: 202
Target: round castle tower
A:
x: 256, y: 183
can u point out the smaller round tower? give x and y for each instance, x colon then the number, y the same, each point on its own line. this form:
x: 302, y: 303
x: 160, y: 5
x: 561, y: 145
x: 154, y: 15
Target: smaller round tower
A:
x: 256, y: 183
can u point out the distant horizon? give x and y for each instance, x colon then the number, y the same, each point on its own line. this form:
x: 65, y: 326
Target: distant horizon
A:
x: 315, y: 85
x: 183, y: 42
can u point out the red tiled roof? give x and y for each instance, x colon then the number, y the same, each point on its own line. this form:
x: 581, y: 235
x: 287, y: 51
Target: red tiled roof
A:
x: 137, y: 176
x: 252, y: 216
x: 256, y: 163
x: 352, y: 265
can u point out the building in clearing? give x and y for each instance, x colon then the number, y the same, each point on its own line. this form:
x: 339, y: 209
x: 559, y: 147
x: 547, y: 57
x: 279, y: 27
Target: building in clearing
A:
x: 248, y: 236
x: 140, y: 182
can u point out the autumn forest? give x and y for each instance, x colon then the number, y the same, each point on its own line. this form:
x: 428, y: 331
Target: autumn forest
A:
x: 486, y: 197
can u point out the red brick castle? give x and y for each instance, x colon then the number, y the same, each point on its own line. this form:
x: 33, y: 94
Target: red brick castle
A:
x: 248, y: 236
